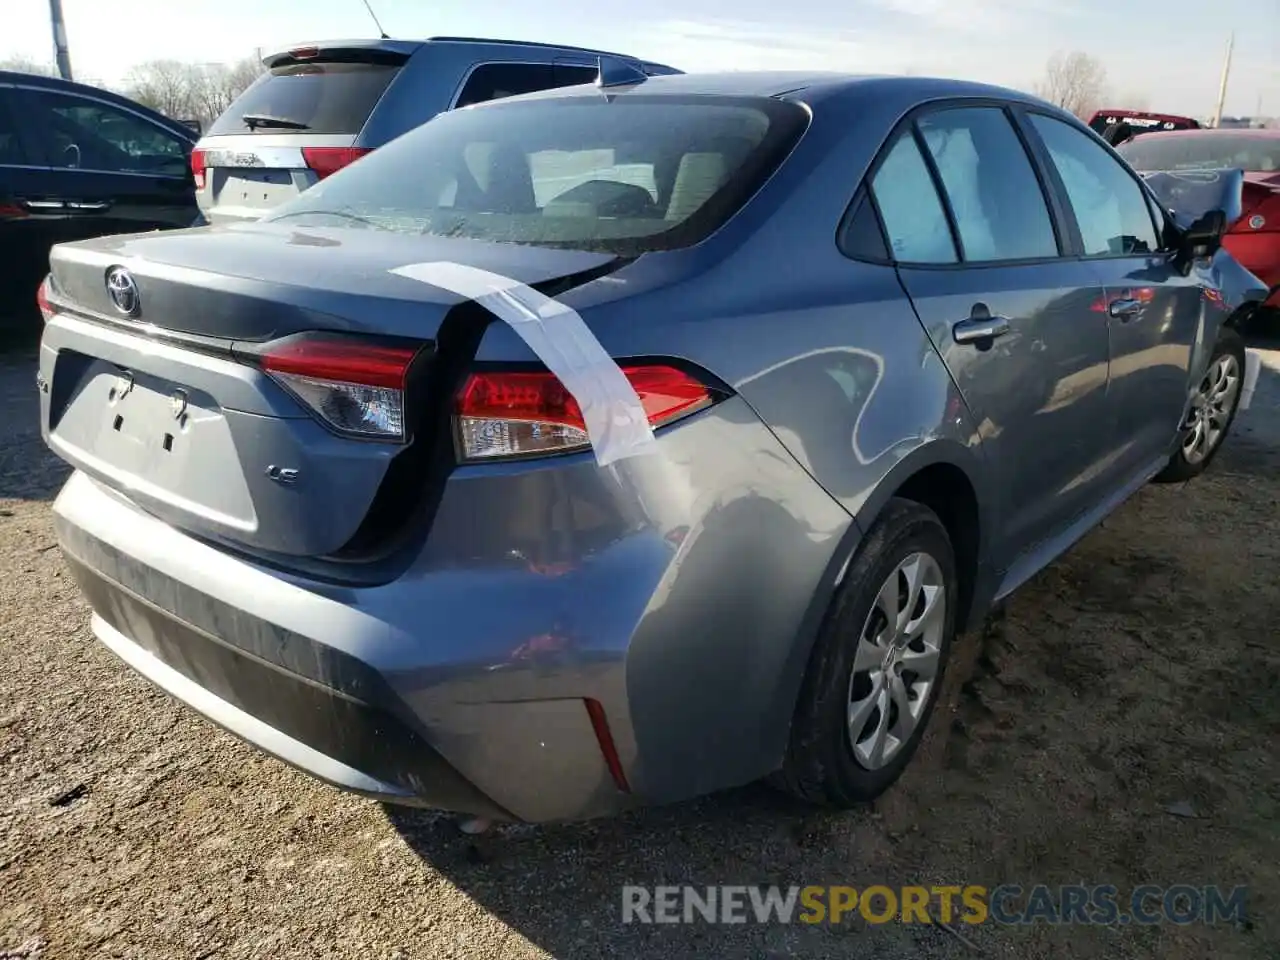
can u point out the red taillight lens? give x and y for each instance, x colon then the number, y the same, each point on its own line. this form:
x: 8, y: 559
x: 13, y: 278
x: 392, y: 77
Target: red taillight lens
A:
x: 42, y: 300
x: 329, y: 160
x: 355, y: 387
x: 516, y: 414
x: 198, y: 167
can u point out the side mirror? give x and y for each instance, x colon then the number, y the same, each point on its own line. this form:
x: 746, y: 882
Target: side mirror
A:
x: 1204, y: 236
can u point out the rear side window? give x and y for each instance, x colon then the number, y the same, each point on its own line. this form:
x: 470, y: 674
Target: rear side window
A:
x: 1112, y: 211
x: 309, y: 97
x: 909, y: 206
x: 628, y: 176
x: 493, y: 81
x: 999, y: 208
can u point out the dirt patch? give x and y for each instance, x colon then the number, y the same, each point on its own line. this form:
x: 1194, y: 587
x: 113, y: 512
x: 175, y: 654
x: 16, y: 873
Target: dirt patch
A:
x: 1139, y: 675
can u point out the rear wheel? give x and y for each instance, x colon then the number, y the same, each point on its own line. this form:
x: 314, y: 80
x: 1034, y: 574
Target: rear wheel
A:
x: 1212, y: 411
x: 877, y: 667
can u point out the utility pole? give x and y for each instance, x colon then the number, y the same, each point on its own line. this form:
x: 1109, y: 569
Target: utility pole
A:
x: 60, y: 39
x: 1222, y: 88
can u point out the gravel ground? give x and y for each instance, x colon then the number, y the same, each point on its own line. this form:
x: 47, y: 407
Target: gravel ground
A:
x: 1139, y: 672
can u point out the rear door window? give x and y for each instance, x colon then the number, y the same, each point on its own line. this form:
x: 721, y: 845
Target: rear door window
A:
x: 493, y: 81
x: 995, y: 197
x: 313, y: 96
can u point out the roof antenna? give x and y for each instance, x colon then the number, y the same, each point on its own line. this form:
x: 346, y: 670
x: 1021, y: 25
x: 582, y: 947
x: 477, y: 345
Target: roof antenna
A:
x: 616, y: 72
x: 375, y: 20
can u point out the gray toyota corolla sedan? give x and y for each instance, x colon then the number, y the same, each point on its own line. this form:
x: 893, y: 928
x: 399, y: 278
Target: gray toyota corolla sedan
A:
x: 626, y: 442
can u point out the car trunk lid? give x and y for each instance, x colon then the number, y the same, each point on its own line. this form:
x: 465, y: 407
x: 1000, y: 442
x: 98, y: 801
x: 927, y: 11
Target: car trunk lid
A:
x: 173, y: 405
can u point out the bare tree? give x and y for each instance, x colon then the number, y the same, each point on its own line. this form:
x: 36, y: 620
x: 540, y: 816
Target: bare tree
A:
x: 27, y: 65
x: 168, y: 86
x: 189, y: 91
x: 221, y: 83
x: 1074, y: 81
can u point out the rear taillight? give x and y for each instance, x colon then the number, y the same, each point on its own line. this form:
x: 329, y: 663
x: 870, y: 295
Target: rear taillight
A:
x: 520, y: 414
x: 42, y: 300
x: 355, y: 387
x: 329, y: 160
x: 198, y: 167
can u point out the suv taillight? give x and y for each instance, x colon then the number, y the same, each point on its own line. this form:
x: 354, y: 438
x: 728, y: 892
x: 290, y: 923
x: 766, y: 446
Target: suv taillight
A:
x: 329, y: 160
x: 356, y: 387
x: 42, y: 299
x: 521, y: 414
x: 198, y: 168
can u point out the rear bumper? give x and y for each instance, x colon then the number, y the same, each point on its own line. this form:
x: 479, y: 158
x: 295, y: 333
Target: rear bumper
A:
x: 680, y: 592
x: 332, y: 735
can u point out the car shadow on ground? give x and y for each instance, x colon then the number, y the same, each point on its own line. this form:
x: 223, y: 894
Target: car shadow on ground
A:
x: 1253, y: 447
x: 561, y: 886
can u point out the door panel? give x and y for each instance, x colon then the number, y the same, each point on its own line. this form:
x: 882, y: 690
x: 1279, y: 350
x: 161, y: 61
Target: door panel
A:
x: 104, y: 170
x: 1038, y: 392
x: 1153, y: 312
x: 978, y: 253
x: 25, y: 234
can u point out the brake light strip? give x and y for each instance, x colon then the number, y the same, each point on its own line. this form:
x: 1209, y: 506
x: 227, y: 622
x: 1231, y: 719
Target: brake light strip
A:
x: 616, y: 422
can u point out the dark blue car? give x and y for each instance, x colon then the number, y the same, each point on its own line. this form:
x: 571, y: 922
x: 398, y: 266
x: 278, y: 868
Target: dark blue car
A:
x: 79, y: 162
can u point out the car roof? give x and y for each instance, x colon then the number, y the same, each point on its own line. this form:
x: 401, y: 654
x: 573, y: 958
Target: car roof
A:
x: 812, y: 86
x: 39, y: 81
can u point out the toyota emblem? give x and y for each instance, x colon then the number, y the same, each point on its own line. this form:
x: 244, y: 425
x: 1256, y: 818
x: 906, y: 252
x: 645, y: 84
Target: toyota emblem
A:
x: 123, y: 291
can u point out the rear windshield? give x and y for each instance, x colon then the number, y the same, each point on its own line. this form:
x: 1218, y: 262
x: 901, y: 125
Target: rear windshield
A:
x: 627, y: 176
x: 1204, y: 152
x: 311, y: 97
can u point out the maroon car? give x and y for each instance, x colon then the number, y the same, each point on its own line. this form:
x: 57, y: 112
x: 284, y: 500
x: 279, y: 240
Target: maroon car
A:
x: 1116, y: 126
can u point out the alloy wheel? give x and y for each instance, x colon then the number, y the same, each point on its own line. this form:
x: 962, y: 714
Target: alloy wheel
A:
x: 1211, y: 409
x: 895, y: 666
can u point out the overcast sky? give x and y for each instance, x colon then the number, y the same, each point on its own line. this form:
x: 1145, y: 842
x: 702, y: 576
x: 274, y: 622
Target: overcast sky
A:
x: 1168, y: 52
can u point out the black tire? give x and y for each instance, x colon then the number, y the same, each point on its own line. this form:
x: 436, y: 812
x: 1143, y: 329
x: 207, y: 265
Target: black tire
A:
x: 820, y: 766
x: 1180, y: 468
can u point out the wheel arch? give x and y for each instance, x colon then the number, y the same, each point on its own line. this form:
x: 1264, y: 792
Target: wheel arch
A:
x: 942, y: 473
x: 947, y: 478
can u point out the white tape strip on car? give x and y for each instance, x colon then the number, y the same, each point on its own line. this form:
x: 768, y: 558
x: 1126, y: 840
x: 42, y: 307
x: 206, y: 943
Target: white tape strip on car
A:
x: 1252, y: 365
x: 616, y: 422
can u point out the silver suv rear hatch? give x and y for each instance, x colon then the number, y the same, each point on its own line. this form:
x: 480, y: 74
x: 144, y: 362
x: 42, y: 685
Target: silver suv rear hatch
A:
x: 295, y: 125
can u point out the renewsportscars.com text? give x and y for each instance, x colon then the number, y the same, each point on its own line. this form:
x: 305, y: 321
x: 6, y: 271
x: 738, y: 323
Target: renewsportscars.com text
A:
x: 1102, y: 904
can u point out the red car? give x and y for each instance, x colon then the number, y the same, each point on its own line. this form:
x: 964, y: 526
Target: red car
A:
x: 1254, y: 239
